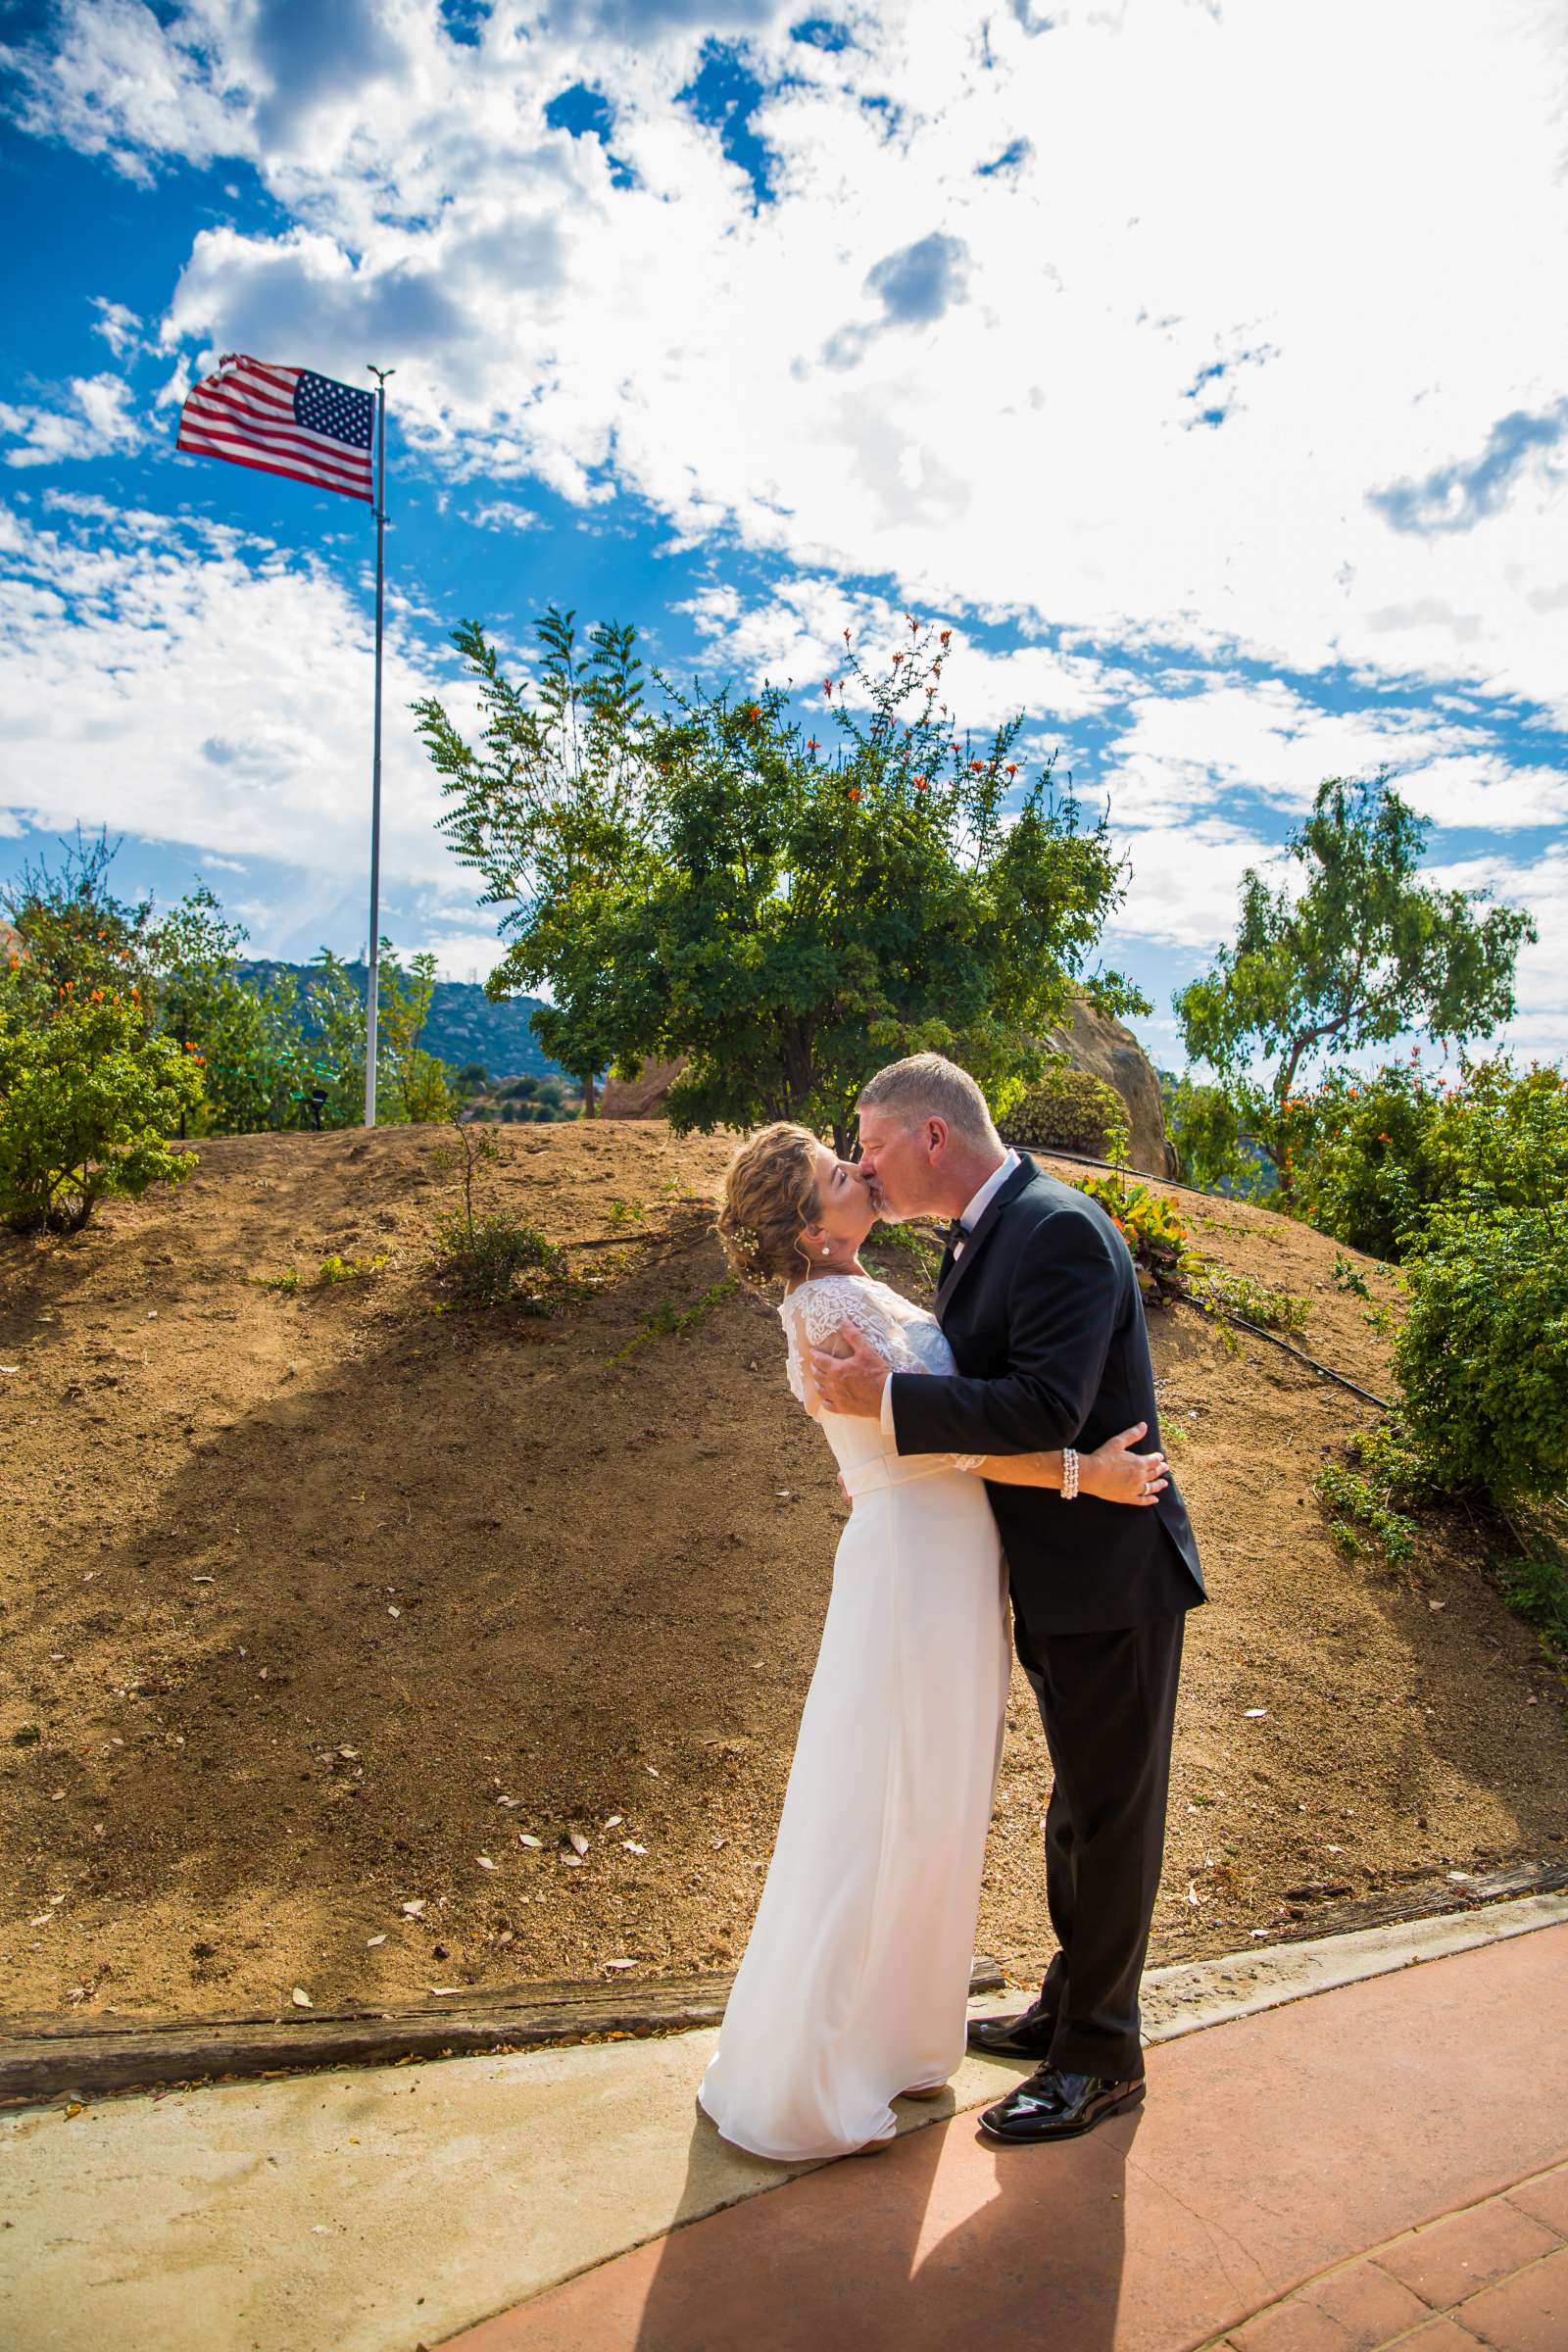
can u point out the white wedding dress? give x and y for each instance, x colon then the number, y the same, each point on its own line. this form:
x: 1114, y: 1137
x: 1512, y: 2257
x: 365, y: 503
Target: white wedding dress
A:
x: 854, y: 1983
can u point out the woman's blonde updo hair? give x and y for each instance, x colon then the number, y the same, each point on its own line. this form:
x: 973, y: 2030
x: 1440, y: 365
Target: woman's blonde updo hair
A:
x: 770, y: 1196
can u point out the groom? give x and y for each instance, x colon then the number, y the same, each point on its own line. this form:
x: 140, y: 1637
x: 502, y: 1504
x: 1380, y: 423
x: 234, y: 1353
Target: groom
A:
x: 1040, y: 1306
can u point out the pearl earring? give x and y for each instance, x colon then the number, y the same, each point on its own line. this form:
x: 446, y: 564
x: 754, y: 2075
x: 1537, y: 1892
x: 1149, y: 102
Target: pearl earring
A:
x: 827, y: 1248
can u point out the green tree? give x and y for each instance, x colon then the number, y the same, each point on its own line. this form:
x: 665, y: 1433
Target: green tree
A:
x: 812, y: 914
x: 548, y: 806
x: 411, y: 1084
x: 1359, y: 954
x: 711, y: 883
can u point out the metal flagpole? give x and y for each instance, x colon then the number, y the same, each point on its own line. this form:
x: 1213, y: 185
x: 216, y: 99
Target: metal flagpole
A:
x: 374, y: 956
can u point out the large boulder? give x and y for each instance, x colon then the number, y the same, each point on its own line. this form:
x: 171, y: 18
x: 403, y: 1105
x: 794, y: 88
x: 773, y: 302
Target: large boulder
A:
x: 1094, y: 1042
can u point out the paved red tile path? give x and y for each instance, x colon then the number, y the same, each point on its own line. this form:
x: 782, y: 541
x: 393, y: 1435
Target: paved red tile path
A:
x: 1386, y: 2164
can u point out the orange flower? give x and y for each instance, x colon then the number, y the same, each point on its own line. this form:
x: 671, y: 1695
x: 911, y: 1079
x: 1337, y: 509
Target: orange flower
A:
x: 854, y: 792
x: 945, y: 634
x: 1012, y: 767
x: 921, y: 783
x: 977, y: 767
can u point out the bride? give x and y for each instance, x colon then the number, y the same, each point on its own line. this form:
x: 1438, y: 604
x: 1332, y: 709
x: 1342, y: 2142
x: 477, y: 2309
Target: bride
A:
x: 854, y: 1987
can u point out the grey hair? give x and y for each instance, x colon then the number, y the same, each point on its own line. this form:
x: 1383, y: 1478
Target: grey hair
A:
x: 928, y: 1086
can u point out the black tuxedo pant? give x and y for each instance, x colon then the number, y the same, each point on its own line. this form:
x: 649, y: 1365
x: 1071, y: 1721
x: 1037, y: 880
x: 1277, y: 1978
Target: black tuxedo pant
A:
x: 1107, y: 1702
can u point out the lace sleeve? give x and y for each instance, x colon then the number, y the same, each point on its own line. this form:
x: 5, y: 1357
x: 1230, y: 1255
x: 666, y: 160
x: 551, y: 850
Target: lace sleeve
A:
x: 815, y: 1311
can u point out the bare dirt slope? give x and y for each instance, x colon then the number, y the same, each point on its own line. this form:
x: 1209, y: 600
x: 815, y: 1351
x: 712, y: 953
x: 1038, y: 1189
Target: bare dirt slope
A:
x: 298, y: 1589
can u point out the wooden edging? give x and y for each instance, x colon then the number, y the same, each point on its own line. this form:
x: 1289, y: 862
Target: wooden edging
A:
x: 44, y: 2058
x: 1418, y: 1899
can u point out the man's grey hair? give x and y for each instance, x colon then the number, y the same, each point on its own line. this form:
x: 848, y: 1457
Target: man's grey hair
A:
x: 928, y: 1086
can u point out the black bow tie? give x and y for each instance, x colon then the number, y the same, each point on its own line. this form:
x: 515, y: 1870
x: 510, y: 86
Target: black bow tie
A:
x: 957, y: 1232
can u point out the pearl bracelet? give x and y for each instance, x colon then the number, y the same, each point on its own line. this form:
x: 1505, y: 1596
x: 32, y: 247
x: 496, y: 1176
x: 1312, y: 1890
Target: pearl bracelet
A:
x: 1069, y: 1474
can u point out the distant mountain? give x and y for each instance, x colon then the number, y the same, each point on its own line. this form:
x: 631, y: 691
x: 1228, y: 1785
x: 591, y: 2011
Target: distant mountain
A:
x: 463, y: 1024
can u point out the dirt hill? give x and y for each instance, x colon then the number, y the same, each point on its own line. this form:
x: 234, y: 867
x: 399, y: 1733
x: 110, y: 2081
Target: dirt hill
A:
x: 298, y: 1589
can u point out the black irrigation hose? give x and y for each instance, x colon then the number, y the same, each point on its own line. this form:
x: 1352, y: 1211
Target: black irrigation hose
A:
x: 1259, y: 1333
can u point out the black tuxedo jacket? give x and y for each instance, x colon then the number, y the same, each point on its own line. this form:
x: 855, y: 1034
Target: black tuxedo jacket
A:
x: 1044, y: 1318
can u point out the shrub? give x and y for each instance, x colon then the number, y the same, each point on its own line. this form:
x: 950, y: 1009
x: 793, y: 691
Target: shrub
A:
x: 497, y: 1260
x: 1239, y: 1297
x: 1372, y: 1499
x: 1482, y: 1352
x: 1373, y: 1156
x: 1537, y: 1586
x: 86, y: 1102
x: 493, y: 1259
x: 1071, y: 1111
x: 1152, y: 1230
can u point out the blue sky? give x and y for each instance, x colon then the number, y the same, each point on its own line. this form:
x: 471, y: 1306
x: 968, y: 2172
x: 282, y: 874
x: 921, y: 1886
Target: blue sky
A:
x: 1233, y: 457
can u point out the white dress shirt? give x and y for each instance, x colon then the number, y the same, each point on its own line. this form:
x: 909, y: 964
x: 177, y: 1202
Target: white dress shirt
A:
x: 974, y: 1211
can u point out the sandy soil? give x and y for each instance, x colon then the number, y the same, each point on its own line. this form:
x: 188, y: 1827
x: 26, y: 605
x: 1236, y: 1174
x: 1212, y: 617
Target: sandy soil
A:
x: 298, y: 1589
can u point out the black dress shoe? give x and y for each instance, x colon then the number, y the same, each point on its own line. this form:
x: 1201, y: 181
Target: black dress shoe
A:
x: 1053, y: 2104
x: 1026, y: 2036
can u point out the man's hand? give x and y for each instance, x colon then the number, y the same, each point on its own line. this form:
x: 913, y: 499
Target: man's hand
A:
x: 850, y: 1380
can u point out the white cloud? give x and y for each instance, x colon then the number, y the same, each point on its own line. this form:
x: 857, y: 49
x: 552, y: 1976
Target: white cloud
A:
x: 213, y: 692
x: 1183, y: 750
x: 798, y: 633
x: 1022, y: 425
x: 1185, y: 885
x: 1023, y: 431
x: 504, y: 515
x: 97, y: 422
x: 121, y: 84
x: 119, y: 328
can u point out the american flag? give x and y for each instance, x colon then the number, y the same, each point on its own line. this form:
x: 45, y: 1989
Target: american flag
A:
x: 282, y: 421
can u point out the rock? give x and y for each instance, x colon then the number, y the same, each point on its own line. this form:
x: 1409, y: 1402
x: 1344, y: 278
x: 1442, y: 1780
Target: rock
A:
x: 1096, y: 1043
x: 642, y: 1097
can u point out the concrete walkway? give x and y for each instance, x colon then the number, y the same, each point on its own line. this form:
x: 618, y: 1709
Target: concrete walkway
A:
x: 376, y: 2210
x: 1387, y: 2163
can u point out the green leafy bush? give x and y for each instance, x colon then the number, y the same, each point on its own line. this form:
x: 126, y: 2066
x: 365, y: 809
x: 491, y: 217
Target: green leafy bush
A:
x: 498, y: 1260
x: 86, y: 1102
x: 1537, y: 1586
x: 1071, y: 1111
x: 1151, y: 1228
x: 1240, y: 1296
x: 1483, y: 1352
x: 1372, y: 1156
x: 1371, y: 1501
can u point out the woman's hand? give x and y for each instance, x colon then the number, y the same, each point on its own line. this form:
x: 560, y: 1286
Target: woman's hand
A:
x: 1116, y: 1474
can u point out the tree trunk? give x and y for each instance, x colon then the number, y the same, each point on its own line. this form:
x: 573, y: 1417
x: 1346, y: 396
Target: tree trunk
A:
x: 589, y: 1097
